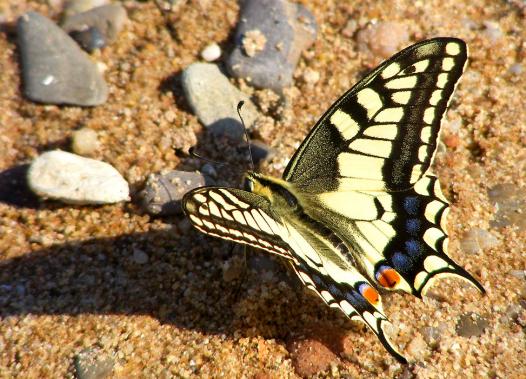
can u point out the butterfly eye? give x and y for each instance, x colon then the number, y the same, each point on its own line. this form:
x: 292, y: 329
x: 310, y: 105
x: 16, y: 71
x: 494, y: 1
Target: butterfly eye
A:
x: 248, y: 185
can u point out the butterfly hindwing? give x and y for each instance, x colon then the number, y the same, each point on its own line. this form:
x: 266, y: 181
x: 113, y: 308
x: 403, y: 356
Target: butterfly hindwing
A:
x: 382, y: 134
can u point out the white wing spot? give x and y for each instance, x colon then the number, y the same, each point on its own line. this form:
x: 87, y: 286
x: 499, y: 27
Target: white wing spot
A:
x: 390, y: 115
x: 214, y: 210
x: 425, y: 134
x: 385, y: 131
x: 436, y: 96
x: 379, y: 148
x: 401, y: 97
x: 234, y: 199
x: 442, y: 80
x: 416, y: 173
x: 204, y: 210
x: 250, y: 220
x: 196, y: 220
x: 360, y: 166
x: 390, y: 71
x: 419, y: 279
x: 429, y: 115
x: 407, y: 82
x: 385, y: 228
x: 238, y: 216
x: 433, y: 209
x: 432, y: 236
x: 448, y: 64
x: 422, y: 153
x: 208, y: 224
x: 371, y: 320
x: 261, y: 221
x: 347, y: 308
x: 225, y: 215
x: 453, y: 48
x: 220, y: 200
x: 200, y: 198
x: 370, y: 100
x: 421, y: 66
x: 345, y: 124
x: 434, y: 263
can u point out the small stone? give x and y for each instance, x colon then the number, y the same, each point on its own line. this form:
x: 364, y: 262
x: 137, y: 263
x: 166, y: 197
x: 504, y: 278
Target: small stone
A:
x: 253, y: 42
x: 107, y: 21
x: 91, y: 363
x: 54, y: 68
x: 383, y: 38
x: 471, y: 325
x: 310, y: 357
x: 214, y: 100
x: 311, y: 76
x: 76, y: 180
x: 516, y: 69
x: 211, y: 52
x: 89, y: 39
x: 270, y: 38
x: 162, y: 193
x: 476, y: 240
x: 85, y: 142
x: 209, y: 169
x: 72, y: 7
x: 417, y: 348
x: 350, y: 28
x: 431, y: 335
x: 510, y: 201
x: 140, y: 257
x: 492, y: 30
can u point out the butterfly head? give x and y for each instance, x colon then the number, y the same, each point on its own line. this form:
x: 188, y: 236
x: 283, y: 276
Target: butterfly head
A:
x: 276, y: 191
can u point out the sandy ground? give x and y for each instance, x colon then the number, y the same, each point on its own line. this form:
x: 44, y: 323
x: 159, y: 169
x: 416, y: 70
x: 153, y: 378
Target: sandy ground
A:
x: 69, y: 282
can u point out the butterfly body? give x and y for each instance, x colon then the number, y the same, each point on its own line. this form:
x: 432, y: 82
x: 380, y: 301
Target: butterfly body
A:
x: 358, y: 207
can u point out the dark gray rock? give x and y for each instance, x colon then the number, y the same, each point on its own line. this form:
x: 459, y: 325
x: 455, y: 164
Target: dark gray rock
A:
x: 471, y: 325
x: 270, y: 37
x: 107, y: 21
x: 54, y: 68
x: 92, y: 363
x: 162, y: 193
x: 214, y: 100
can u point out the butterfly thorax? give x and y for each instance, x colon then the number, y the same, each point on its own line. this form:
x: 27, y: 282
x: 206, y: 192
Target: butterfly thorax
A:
x: 280, y: 193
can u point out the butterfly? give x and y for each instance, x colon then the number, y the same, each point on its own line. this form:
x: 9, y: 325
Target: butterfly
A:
x: 358, y: 207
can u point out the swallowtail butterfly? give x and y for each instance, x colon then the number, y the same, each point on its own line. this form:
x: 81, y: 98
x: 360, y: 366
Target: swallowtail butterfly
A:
x: 358, y: 206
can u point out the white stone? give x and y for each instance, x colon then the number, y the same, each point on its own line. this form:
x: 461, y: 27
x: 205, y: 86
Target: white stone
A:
x: 76, y: 180
x: 211, y: 52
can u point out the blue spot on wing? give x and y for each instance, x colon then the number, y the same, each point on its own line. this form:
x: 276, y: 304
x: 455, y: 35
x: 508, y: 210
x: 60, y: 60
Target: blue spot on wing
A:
x: 412, y: 247
x: 411, y: 205
x: 412, y: 226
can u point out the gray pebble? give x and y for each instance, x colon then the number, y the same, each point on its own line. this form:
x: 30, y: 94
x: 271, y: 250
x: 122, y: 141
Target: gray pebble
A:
x: 84, y: 142
x: 54, y: 68
x: 140, y: 257
x: 209, y: 170
x: 269, y: 40
x: 214, y: 100
x: 516, y: 69
x: 91, y: 363
x: 90, y: 39
x: 471, y: 325
x: 476, y: 240
x: 72, y: 7
x: 511, y: 205
x: 107, y: 21
x: 76, y: 180
x: 162, y: 193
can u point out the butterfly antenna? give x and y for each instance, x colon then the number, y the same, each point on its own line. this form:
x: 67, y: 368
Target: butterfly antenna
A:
x: 192, y: 152
x: 239, y: 105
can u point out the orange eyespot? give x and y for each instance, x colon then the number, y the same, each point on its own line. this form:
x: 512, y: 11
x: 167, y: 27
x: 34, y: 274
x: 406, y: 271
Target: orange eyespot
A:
x: 369, y: 293
x: 387, y: 277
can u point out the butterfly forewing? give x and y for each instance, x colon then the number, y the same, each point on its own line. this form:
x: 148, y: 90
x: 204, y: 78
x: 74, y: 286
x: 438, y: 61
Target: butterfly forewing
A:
x: 382, y: 134
x: 238, y: 216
